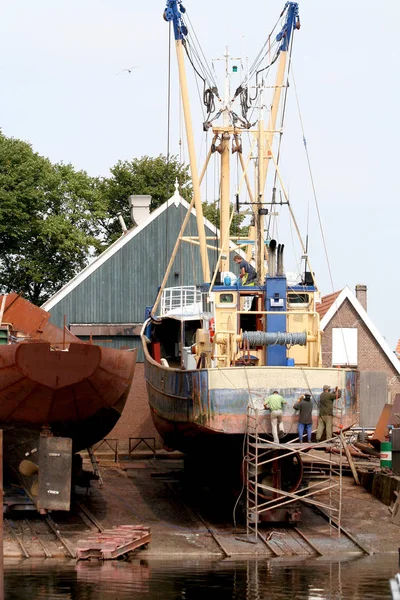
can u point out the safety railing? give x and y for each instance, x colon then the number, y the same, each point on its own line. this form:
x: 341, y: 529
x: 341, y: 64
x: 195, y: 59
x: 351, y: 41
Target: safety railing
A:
x: 147, y: 442
x: 180, y: 299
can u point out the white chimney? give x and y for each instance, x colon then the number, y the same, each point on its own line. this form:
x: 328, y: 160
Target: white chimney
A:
x: 361, y: 295
x: 140, y: 208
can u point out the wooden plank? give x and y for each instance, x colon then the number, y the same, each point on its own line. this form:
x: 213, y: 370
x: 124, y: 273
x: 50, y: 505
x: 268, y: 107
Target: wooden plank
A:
x: 112, y: 543
x: 133, y: 545
x: 349, y: 459
x: 308, y: 541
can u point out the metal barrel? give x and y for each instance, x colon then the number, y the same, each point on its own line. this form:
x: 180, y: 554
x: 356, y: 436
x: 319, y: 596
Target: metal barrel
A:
x: 386, y: 454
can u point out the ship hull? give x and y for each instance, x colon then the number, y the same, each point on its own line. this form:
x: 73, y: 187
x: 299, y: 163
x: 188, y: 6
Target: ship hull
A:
x: 41, y: 386
x: 52, y: 384
x: 199, y: 409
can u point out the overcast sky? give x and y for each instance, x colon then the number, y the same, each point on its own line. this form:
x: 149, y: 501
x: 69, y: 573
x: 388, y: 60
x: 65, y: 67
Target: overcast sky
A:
x: 61, y: 92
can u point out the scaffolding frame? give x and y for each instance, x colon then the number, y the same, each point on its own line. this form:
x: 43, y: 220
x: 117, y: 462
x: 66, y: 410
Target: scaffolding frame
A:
x: 257, y: 447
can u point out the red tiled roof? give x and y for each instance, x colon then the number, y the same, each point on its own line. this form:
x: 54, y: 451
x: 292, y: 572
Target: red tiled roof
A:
x: 326, y: 303
x: 397, y: 351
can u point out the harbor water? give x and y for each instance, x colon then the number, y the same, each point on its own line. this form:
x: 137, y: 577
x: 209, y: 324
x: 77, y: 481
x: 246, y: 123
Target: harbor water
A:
x: 301, y: 579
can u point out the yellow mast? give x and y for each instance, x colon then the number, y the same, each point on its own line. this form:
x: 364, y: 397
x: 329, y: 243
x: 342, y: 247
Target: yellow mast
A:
x: 172, y: 13
x: 265, y: 142
x: 225, y: 148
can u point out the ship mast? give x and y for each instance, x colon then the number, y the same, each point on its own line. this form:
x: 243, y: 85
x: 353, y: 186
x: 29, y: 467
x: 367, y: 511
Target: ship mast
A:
x: 173, y: 13
x: 225, y: 147
x: 265, y: 137
x: 230, y: 126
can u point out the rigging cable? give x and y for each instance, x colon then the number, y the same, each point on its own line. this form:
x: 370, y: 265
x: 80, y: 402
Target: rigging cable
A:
x: 206, y: 67
x: 168, y: 131
x: 169, y: 92
x: 318, y: 211
x: 208, y: 91
x: 260, y: 56
x: 278, y: 155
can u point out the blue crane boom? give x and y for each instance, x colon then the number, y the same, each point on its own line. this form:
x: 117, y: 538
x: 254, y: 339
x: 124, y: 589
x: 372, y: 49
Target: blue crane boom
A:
x: 292, y: 22
x: 173, y: 12
x: 175, y: 9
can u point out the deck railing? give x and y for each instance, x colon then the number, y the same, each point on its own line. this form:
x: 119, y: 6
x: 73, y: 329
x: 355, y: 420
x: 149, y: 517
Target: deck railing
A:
x: 177, y: 299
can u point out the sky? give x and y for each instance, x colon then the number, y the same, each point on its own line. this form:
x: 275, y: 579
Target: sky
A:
x: 62, y: 90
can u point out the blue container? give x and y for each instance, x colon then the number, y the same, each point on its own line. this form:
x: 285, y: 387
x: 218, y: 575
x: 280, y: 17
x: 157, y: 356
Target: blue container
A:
x: 227, y: 280
x: 290, y: 362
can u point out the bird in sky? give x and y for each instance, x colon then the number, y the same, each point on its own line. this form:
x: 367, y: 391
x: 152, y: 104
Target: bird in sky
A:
x: 128, y: 70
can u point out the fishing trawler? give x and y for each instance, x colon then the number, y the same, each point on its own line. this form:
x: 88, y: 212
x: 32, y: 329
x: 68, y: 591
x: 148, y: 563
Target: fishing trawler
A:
x: 58, y: 395
x: 213, y: 349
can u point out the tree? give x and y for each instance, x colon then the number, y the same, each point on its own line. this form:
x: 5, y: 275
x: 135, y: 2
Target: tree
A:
x: 49, y: 221
x: 155, y: 177
x: 143, y: 176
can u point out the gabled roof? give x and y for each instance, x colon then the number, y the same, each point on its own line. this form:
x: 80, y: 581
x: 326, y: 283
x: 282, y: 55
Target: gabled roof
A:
x: 326, y: 303
x: 347, y: 294
x: 117, y: 245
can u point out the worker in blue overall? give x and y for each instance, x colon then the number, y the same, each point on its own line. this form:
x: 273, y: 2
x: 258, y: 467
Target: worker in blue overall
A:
x: 304, y: 407
x: 248, y: 274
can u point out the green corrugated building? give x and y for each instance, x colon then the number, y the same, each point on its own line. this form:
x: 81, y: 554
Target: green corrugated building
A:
x: 107, y: 300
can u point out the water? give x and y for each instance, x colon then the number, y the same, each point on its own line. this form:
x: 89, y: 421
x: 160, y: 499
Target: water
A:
x: 277, y: 579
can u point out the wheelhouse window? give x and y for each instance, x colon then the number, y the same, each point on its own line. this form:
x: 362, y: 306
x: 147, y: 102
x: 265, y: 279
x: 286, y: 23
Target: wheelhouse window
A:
x: 298, y: 298
x: 226, y: 298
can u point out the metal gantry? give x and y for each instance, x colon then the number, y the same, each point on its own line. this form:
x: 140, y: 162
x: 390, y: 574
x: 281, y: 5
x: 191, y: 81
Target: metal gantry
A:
x: 261, y: 453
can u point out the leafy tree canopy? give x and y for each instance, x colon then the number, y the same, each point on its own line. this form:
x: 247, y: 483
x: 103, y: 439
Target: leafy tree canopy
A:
x: 49, y: 221
x: 54, y: 218
x: 155, y: 177
x: 141, y: 176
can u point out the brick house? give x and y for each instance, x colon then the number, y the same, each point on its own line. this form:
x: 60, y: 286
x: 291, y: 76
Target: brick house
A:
x: 350, y: 339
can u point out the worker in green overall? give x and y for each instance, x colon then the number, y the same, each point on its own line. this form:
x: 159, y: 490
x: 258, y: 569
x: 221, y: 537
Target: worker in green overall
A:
x: 325, y: 419
x: 274, y: 403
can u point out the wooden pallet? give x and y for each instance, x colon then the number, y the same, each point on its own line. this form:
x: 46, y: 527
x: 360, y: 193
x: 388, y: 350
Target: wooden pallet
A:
x: 112, y: 543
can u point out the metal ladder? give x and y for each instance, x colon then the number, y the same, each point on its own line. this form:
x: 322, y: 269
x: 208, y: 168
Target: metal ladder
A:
x: 95, y: 465
x: 252, y: 516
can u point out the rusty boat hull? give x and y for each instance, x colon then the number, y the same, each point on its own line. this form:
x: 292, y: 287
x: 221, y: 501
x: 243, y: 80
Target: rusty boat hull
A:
x: 52, y: 383
x: 79, y: 393
x: 204, y: 410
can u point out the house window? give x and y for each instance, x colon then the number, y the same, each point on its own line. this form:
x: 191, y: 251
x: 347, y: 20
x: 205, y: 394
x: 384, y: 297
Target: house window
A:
x: 344, y: 347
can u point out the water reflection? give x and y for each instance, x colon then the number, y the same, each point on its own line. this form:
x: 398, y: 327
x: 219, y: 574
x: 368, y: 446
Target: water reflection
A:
x: 278, y: 579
